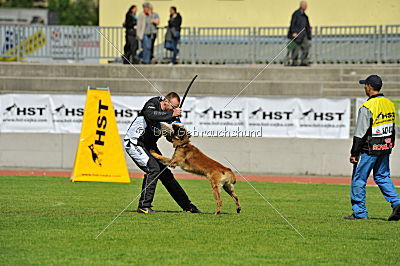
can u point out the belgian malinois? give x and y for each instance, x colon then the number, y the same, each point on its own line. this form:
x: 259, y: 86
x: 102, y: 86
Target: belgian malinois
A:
x: 192, y: 160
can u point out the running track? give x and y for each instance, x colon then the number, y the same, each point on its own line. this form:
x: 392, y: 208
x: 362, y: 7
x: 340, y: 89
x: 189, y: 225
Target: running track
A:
x: 258, y: 178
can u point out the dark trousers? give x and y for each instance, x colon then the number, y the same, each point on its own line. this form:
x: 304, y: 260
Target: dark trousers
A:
x: 153, y: 40
x: 155, y: 170
x: 145, y: 54
x: 175, y: 50
x: 304, y: 48
x: 130, y: 49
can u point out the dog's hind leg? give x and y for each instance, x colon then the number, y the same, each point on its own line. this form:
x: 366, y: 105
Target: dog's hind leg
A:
x: 217, y: 195
x: 231, y: 191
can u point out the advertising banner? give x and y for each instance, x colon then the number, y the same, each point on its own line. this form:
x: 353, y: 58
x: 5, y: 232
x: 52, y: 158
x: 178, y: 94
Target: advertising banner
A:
x: 203, y: 116
x: 50, y: 44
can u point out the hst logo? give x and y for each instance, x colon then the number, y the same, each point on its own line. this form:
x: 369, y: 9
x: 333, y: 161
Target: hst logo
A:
x: 16, y: 110
x: 270, y: 115
x: 63, y: 110
x: 386, y: 115
x: 220, y: 114
x: 311, y: 114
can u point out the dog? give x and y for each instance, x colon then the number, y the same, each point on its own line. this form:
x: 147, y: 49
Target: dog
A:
x: 192, y: 160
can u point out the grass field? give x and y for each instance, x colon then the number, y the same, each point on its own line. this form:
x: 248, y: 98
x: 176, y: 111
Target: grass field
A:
x: 46, y: 220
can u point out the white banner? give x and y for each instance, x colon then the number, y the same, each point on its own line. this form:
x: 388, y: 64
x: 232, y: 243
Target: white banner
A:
x: 203, y: 116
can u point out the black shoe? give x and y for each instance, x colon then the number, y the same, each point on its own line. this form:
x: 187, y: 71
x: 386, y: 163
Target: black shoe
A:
x: 145, y: 210
x: 352, y: 217
x: 395, y: 216
x: 192, y: 209
x: 304, y: 64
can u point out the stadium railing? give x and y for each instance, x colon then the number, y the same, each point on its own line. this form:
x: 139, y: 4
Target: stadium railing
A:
x: 209, y: 45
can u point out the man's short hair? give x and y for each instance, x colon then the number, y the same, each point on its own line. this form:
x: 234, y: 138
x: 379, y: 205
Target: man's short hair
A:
x: 146, y: 4
x: 172, y: 95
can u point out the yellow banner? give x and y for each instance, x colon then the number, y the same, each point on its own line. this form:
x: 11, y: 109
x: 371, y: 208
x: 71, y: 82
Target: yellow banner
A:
x: 28, y: 46
x: 100, y: 156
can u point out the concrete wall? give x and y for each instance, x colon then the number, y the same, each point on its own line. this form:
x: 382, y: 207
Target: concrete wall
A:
x: 255, y: 155
x: 236, y: 13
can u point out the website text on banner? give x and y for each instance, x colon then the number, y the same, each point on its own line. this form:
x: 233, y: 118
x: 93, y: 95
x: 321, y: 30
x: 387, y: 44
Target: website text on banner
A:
x: 203, y: 116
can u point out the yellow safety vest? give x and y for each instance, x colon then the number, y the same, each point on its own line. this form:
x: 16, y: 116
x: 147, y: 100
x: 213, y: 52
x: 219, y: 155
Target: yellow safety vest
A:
x: 383, y: 124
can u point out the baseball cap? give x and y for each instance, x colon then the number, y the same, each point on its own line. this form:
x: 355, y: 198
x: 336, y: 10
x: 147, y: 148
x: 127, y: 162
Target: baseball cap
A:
x: 373, y: 80
x: 146, y: 4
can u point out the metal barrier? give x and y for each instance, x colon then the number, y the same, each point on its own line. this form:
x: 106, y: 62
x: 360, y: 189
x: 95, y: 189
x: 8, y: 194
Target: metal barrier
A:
x: 202, y: 45
x: 391, y: 44
x: 270, y: 43
x: 351, y: 44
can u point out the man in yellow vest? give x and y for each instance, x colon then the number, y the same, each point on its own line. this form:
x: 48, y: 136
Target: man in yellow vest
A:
x: 372, y: 144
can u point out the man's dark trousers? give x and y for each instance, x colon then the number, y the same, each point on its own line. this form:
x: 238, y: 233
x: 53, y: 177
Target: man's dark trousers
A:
x: 304, y: 47
x: 155, y: 170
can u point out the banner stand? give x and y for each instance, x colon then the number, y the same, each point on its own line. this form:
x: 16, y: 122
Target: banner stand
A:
x: 100, y: 156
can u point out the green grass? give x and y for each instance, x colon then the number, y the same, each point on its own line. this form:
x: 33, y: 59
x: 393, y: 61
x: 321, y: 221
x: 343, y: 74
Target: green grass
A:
x: 46, y: 220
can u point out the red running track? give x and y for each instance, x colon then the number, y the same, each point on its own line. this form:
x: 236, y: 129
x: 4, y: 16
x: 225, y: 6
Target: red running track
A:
x: 258, y: 178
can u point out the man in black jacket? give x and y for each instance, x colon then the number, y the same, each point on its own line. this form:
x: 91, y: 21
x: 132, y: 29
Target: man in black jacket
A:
x: 300, y: 31
x: 131, y: 43
x: 141, y: 137
x: 174, y: 25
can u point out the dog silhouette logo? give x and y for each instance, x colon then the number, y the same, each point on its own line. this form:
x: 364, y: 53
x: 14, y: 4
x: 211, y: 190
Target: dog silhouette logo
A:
x: 58, y: 109
x: 10, y: 108
x: 255, y: 112
x: 306, y: 114
x: 205, y: 112
x: 95, y: 155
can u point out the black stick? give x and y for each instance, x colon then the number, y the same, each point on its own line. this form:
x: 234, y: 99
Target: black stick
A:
x: 187, y: 90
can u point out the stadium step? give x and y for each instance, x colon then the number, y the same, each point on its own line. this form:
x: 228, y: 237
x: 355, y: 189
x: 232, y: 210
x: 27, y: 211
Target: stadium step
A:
x: 276, y: 80
x: 357, y: 77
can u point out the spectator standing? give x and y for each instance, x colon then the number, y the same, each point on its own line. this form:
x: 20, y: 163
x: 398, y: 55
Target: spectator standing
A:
x: 155, y: 20
x: 144, y: 33
x: 131, y: 43
x: 174, y: 26
x: 301, y: 37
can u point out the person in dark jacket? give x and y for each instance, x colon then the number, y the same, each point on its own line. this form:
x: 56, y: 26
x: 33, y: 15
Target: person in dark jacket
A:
x: 141, y: 137
x: 174, y: 26
x: 373, y: 142
x: 131, y: 43
x: 300, y: 31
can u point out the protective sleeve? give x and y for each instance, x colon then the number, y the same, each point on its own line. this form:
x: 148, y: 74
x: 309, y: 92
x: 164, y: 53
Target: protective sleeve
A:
x: 360, y: 133
x: 151, y: 113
